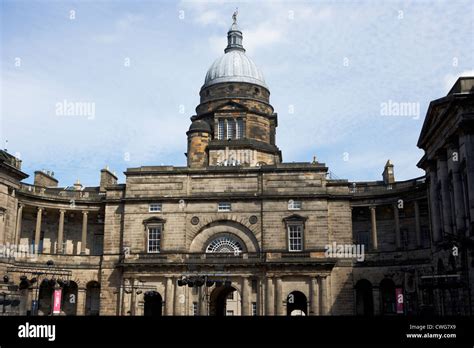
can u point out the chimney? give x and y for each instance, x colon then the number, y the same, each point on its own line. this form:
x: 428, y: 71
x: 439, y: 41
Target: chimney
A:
x: 388, y: 174
x: 45, y: 179
x: 107, y: 178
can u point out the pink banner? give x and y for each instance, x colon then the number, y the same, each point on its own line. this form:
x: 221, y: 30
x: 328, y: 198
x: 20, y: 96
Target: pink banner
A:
x: 399, y: 299
x: 57, y: 301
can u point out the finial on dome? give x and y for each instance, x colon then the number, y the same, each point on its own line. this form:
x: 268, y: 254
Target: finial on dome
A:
x: 234, y: 35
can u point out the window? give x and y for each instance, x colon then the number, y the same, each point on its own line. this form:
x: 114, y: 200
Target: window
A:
x: 254, y: 285
x: 425, y: 235
x: 294, y: 205
x: 254, y: 308
x: 240, y: 128
x: 154, y: 207
x: 225, y: 244
x: 230, y: 129
x: 229, y: 313
x: 363, y: 239
x: 223, y: 206
x: 220, y: 129
x: 404, y: 238
x: 230, y: 296
x: 154, y: 239
x: 195, y: 308
x: 295, y: 237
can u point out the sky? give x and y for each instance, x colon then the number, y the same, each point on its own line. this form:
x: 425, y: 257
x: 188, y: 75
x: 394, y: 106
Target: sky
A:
x: 137, y: 68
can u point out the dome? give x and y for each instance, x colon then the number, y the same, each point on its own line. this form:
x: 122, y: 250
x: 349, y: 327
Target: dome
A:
x: 234, y: 66
x: 200, y: 126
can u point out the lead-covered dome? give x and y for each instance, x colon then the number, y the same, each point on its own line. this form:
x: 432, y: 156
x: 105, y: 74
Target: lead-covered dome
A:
x: 234, y: 65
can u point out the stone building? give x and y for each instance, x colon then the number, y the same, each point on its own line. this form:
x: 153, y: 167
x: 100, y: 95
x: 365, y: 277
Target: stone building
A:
x: 240, y: 232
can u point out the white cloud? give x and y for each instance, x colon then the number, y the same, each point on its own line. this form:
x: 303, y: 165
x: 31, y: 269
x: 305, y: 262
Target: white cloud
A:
x: 263, y: 35
x: 122, y: 25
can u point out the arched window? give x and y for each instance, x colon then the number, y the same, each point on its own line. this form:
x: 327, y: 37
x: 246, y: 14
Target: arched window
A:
x: 224, y: 244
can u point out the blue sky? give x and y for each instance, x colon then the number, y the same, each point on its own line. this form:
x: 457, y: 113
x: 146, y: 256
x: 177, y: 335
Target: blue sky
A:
x: 332, y: 63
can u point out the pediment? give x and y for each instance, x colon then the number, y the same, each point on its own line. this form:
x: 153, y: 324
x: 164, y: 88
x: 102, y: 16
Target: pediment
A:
x: 154, y: 220
x: 294, y: 218
x: 231, y: 106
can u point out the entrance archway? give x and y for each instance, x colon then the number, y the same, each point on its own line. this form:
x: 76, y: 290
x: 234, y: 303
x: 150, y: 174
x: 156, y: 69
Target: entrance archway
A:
x: 224, y: 301
x: 45, y: 297
x: 296, y: 304
x: 69, y: 298
x: 364, y: 298
x: 153, y: 304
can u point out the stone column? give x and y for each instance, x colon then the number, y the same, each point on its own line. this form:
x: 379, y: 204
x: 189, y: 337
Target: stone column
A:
x: 169, y: 296
x: 3, y: 237
x: 373, y: 220
x: 59, y: 249
x: 396, y: 221
x: 81, y: 301
x: 314, y: 296
x: 457, y: 192
x: 202, y: 300
x: 19, y: 218
x: 269, y: 301
x: 376, y: 297
x: 84, y: 232
x: 178, y: 298
x: 445, y: 195
x: 468, y: 141
x: 261, y: 297
x: 417, y: 223
x: 324, y: 294
x: 278, y: 297
x: 245, y: 300
x: 434, y: 204
x: 133, y: 297
x: 38, y: 229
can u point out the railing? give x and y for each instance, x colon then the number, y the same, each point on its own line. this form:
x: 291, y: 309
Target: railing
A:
x: 67, y: 260
x: 60, y: 192
x: 364, y: 188
x: 217, y: 258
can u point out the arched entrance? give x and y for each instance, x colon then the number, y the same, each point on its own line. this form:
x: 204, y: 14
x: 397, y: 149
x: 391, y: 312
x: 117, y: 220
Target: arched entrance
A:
x: 45, y: 297
x: 364, y: 298
x: 387, y: 296
x: 153, y: 304
x: 224, y: 301
x: 296, y: 304
x: 92, y: 298
x: 69, y: 298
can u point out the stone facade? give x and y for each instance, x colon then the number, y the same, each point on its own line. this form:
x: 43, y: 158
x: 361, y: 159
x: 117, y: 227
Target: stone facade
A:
x: 238, y: 232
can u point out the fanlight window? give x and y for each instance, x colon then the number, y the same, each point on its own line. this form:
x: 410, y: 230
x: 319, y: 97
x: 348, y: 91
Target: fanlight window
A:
x: 224, y: 244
